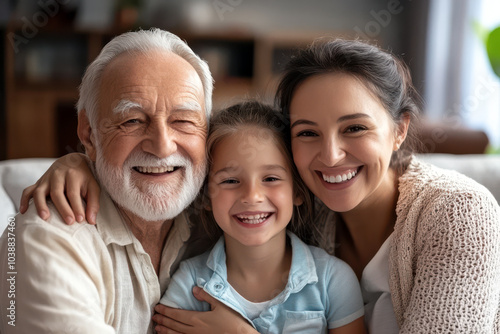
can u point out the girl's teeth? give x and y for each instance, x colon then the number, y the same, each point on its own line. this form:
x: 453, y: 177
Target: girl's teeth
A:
x: 339, y: 178
x: 253, y: 219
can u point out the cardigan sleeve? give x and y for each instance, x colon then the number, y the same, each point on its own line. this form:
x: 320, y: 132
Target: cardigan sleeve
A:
x: 456, y: 266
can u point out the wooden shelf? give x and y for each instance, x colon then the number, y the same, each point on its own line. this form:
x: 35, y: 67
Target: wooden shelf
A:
x: 41, y: 120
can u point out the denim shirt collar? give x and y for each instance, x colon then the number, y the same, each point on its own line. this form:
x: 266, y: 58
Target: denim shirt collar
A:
x: 302, y: 270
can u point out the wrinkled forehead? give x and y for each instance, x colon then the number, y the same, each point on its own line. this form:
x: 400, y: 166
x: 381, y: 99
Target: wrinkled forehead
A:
x: 156, y: 66
x: 152, y: 75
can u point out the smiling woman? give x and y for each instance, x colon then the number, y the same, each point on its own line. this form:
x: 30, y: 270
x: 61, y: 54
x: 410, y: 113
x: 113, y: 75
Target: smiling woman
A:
x: 405, y: 227
x: 351, y: 126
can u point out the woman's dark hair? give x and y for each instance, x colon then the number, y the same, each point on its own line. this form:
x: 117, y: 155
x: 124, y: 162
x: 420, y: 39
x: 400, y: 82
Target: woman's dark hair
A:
x: 264, y: 118
x: 382, y: 73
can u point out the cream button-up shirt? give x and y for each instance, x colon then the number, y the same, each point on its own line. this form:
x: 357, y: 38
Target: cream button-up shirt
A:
x: 82, y: 278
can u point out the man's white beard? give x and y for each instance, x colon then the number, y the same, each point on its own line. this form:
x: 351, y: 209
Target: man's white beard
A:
x: 148, y: 200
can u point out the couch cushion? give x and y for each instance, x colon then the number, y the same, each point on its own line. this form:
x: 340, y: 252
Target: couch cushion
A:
x: 484, y: 168
x: 15, y: 175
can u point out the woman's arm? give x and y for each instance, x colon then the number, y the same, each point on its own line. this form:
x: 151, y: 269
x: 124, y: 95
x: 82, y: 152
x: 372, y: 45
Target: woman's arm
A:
x: 456, y: 261
x: 355, y: 327
x: 67, y: 182
x: 221, y: 319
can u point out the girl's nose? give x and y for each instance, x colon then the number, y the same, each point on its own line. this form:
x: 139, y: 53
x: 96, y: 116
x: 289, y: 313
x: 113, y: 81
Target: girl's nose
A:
x: 252, y: 194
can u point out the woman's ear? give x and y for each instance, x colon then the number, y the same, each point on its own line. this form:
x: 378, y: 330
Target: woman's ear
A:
x: 402, y: 131
x: 85, y: 134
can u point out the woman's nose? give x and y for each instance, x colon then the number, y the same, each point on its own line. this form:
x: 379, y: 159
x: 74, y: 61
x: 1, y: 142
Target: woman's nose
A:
x: 332, y: 151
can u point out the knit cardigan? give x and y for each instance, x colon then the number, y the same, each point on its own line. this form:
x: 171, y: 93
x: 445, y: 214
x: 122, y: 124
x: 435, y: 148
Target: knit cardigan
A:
x: 444, y: 259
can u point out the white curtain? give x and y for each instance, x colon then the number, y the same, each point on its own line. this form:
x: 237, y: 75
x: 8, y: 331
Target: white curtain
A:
x: 461, y: 88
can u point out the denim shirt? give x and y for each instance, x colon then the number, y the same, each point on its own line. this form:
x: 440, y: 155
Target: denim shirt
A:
x: 322, y: 291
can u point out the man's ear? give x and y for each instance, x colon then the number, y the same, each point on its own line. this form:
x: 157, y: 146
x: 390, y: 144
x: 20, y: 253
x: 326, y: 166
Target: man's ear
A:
x: 86, y: 135
x: 402, y: 131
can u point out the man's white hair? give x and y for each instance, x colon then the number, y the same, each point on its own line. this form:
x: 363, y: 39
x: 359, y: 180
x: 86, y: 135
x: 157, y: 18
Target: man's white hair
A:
x: 142, y: 41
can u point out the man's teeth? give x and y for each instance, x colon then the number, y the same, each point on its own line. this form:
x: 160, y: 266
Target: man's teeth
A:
x: 339, y: 178
x: 253, y: 219
x: 155, y: 170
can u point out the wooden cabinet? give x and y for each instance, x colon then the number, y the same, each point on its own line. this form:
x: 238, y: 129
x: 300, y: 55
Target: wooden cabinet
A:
x: 42, y: 76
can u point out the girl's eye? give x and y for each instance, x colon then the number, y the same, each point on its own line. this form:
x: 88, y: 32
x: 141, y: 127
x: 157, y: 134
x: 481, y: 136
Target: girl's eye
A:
x: 229, y: 181
x: 271, y: 179
x: 306, y: 133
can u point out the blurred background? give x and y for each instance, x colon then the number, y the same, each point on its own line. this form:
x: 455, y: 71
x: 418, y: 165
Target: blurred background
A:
x: 47, y: 45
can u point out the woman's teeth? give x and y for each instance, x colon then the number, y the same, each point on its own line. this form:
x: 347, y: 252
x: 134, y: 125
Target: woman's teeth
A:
x: 253, y: 219
x: 339, y: 178
x: 155, y: 170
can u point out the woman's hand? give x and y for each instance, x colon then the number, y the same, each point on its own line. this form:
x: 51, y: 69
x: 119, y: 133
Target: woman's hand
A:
x: 220, y: 320
x: 67, y: 181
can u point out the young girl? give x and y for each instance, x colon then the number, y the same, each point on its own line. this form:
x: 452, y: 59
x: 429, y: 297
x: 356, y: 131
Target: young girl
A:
x: 257, y: 268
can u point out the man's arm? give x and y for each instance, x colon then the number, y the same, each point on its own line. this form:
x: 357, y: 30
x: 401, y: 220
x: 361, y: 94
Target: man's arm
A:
x: 48, y: 283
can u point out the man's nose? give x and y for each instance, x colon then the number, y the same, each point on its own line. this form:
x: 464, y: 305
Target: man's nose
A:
x: 160, y: 140
x: 332, y: 151
x: 252, y: 194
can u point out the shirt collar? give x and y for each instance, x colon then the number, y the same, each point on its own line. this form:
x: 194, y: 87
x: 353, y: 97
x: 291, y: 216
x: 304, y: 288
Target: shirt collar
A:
x: 302, y: 271
x: 217, y: 258
x: 114, y: 229
x: 110, y: 223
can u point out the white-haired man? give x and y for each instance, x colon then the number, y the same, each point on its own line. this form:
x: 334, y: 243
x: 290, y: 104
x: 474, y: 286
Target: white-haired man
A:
x: 142, y: 117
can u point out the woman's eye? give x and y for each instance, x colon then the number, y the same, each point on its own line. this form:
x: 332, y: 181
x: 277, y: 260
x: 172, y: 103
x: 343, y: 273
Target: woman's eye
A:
x: 306, y: 133
x: 355, y: 128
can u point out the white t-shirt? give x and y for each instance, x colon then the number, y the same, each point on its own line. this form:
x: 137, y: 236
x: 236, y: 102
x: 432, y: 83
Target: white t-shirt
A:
x: 379, y: 311
x: 252, y: 309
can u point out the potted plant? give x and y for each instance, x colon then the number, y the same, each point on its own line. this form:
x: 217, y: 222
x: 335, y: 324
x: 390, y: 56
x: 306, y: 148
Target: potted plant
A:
x: 491, y: 40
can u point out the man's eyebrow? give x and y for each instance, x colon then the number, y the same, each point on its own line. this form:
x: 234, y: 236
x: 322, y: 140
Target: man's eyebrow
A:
x: 124, y: 106
x: 341, y: 119
x: 187, y: 106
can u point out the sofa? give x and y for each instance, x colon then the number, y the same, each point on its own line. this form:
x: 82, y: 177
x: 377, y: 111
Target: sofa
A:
x: 17, y: 174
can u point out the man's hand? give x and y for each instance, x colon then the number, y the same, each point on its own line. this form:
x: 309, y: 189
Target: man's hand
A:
x: 67, y: 181
x: 220, y: 320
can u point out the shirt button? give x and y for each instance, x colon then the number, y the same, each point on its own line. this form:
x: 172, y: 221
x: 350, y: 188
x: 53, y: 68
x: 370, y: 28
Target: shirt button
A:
x: 218, y: 286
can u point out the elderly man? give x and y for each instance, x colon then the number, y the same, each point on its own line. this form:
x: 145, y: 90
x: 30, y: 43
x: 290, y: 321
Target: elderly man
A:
x: 142, y: 118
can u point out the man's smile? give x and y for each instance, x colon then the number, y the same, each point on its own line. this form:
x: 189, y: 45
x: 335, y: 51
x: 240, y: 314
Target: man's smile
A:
x: 155, y: 170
